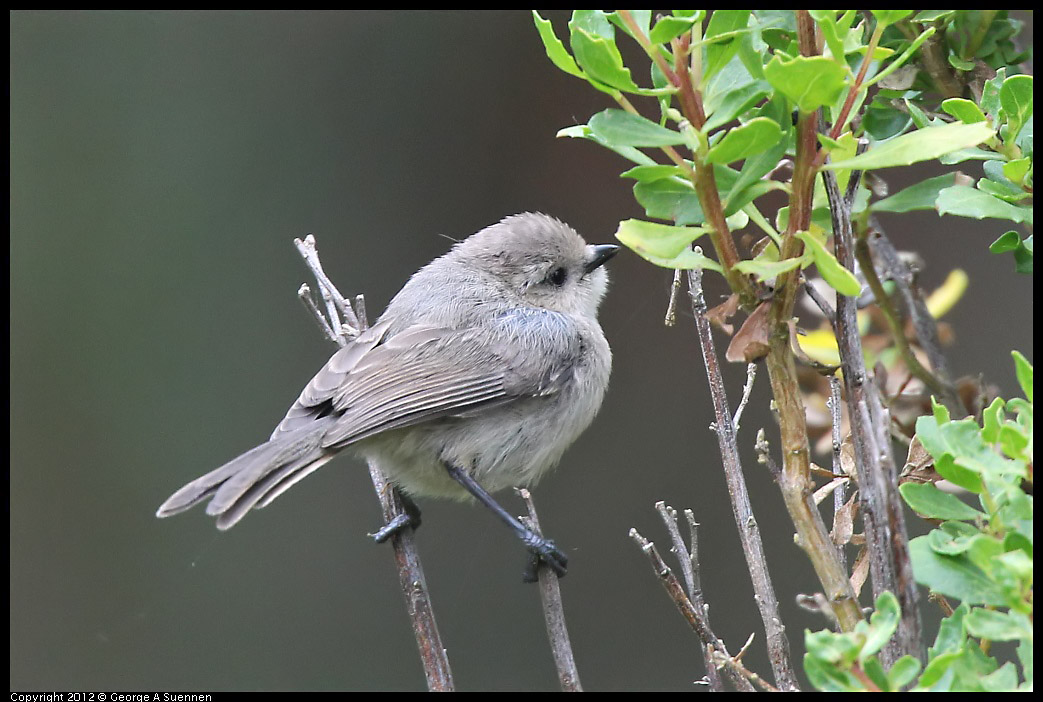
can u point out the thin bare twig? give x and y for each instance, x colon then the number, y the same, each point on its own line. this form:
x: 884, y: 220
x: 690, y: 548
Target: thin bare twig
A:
x: 304, y: 295
x: 886, y: 537
x: 735, y: 664
x: 764, y: 456
x: 749, y: 533
x: 688, y: 557
x: 553, y: 610
x: 694, y: 617
x: 410, y: 572
x: 671, y: 308
x: 821, y: 302
x: 924, y: 326
x: 894, y: 321
x: 839, y: 498
x: 751, y: 374
x: 340, y: 316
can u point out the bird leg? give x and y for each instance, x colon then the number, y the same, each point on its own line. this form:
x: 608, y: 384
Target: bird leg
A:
x: 410, y: 518
x: 543, y: 549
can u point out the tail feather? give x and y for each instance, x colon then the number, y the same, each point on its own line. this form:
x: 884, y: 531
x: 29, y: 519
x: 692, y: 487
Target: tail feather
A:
x: 289, y: 479
x: 244, y: 481
x: 203, y: 487
x: 260, y: 490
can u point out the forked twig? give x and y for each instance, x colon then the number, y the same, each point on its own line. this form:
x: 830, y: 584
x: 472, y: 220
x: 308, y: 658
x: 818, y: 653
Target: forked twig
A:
x: 749, y: 532
x: 342, y: 325
x: 693, y: 616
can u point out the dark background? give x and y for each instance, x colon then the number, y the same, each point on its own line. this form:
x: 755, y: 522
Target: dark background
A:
x: 161, y: 164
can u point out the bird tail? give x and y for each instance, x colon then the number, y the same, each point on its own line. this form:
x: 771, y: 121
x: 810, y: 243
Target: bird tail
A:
x: 255, y: 478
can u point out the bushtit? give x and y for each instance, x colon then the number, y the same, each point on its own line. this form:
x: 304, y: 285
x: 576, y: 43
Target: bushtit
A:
x: 484, y: 368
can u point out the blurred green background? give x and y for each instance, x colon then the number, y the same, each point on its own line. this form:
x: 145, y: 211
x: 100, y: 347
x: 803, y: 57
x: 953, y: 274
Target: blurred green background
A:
x: 161, y: 164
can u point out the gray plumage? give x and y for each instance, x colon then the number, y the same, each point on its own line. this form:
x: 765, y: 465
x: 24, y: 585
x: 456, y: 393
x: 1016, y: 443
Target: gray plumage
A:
x: 490, y: 358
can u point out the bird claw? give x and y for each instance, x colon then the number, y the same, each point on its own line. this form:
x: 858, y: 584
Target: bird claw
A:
x: 403, y: 520
x: 544, y: 550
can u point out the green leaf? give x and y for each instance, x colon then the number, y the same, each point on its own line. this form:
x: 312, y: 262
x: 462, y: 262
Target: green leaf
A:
x: 921, y: 145
x: 827, y: 21
x: 766, y: 271
x: 734, y: 102
x: 675, y: 199
x: 737, y: 199
x: 919, y: 118
x: 994, y: 170
x: 755, y: 168
x: 886, y: 17
x: 990, y: 93
x: 554, y: 47
x: 1016, y: 101
x: 1012, y: 442
x: 962, y: 440
x: 883, y: 121
x: 963, y: 110
x: 669, y: 27
x: 825, y: 676
x: 642, y: 18
x: 1023, y: 369
x: 874, y: 670
x: 965, y: 201
x: 951, y: 633
x: 925, y: 16
x: 940, y: 413
x: 928, y: 501
x: 686, y: 260
x: 626, y: 129
x: 959, y: 63
x: 809, y: 82
x: 838, y: 649
x: 882, y: 625
x: 929, y: 431
x: 902, y: 672
x: 962, y: 155
x: 670, y: 198
x: 958, y: 671
x: 952, y: 538
x: 920, y: 196
x: 647, y: 174
x: 583, y: 131
x: 757, y: 135
x: 991, y: 417
x: 959, y: 475
x: 1004, y: 190
x: 1023, y: 257
x: 594, y: 46
x: 661, y: 240
x: 1017, y: 563
x: 998, y: 626
x: 1016, y: 170
x: 719, y: 53
x: 954, y: 576
x: 839, y: 278
x: 1003, y: 680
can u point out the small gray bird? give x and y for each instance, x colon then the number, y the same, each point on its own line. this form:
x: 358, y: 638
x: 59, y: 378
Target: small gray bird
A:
x: 484, y: 368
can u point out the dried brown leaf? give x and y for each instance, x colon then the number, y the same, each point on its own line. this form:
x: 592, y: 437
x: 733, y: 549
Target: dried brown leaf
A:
x: 750, y: 343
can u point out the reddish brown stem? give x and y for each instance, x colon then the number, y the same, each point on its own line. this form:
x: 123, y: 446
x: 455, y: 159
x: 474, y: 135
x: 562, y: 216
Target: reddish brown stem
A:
x: 703, y: 179
x: 795, y: 477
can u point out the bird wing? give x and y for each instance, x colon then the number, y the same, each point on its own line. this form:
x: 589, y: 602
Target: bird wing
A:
x: 425, y: 372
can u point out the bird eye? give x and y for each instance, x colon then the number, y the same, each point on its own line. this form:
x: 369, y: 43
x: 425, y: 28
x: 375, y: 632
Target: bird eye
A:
x: 558, y: 276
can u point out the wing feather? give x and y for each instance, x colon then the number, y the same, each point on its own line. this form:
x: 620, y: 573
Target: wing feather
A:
x: 424, y: 372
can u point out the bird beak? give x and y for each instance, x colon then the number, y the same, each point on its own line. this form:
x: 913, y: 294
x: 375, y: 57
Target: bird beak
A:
x: 601, y: 254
